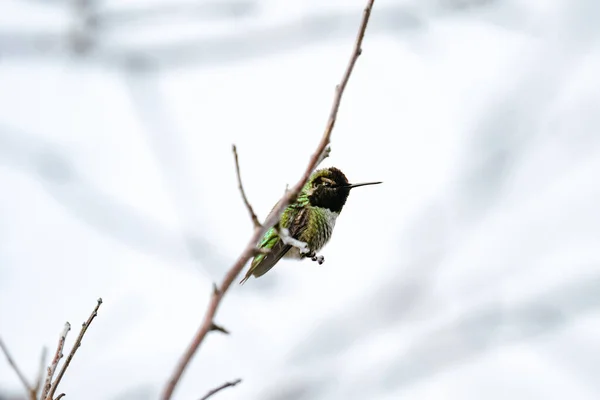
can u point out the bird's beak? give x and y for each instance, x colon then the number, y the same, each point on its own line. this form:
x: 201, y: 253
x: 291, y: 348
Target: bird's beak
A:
x: 353, y: 185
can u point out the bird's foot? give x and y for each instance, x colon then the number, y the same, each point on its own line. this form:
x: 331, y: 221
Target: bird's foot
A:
x: 313, y: 256
x: 319, y: 259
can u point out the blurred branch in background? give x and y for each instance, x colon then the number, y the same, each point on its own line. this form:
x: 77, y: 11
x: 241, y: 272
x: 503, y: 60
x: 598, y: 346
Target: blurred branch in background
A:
x: 445, y: 344
x: 479, y: 329
x: 39, y: 384
x: 207, y: 11
x: 290, y: 196
x: 59, y: 176
x: 396, y: 300
x: 91, y: 24
x: 31, y: 390
x: 170, y: 151
x: 247, y: 42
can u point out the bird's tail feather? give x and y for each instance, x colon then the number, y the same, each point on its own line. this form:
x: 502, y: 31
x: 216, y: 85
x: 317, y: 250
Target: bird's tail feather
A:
x: 264, y: 262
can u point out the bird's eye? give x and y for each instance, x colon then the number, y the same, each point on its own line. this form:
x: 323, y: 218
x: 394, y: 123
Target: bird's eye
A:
x: 328, y: 182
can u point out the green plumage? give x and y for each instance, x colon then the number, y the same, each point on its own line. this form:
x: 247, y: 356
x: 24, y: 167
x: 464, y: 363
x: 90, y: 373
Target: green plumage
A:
x: 310, y: 219
x: 310, y: 224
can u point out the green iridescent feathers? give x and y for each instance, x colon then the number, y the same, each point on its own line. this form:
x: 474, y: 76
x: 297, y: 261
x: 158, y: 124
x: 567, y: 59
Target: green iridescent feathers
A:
x: 310, y: 220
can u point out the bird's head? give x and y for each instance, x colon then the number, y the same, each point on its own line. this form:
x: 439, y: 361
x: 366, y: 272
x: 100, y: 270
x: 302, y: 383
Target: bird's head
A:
x: 329, y: 188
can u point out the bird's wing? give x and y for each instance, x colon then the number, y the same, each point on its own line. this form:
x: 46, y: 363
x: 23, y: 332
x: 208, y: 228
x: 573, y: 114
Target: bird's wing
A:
x: 262, y: 263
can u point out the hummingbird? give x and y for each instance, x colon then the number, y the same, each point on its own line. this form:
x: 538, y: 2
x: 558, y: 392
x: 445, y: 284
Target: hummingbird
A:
x: 306, y: 225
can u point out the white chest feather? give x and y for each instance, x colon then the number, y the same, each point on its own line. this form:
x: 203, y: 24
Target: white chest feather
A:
x: 331, y: 217
x: 321, y: 230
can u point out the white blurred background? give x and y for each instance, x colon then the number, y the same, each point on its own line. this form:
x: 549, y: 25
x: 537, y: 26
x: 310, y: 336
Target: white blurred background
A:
x: 472, y: 272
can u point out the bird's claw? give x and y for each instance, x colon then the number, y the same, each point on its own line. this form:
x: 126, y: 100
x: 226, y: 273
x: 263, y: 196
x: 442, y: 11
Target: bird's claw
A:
x: 319, y: 259
x: 313, y: 256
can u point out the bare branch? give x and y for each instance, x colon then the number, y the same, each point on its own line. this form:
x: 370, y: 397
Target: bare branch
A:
x: 60, y: 396
x: 30, y: 390
x: 290, y: 196
x: 255, y: 221
x: 40, y: 377
x: 323, y: 156
x: 57, y: 356
x: 76, y: 345
x: 218, y: 389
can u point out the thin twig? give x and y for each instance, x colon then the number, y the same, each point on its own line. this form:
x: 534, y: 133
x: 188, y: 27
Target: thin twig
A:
x: 30, y: 390
x: 40, y: 377
x: 241, y: 187
x: 76, y: 345
x: 60, y: 396
x: 215, y: 327
x: 57, y: 356
x: 218, y: 389
x: 271, y: 220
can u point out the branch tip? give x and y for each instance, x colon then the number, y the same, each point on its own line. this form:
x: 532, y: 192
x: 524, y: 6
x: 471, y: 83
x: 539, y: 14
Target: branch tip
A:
x: 215, y: 327
x: 253, y: 216
x: 218, y: 389
x: 28, y: 388
x: 40, y: 378
x: 57, y: 357
x: 51, y: 387
x: 324, y: 154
